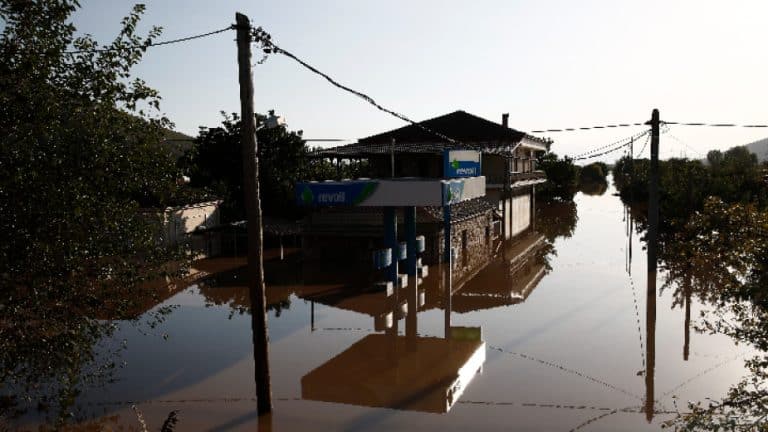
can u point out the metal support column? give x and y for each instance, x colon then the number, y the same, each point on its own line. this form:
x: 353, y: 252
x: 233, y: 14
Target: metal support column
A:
x: 390, y: 241
x: 409, y: 216
x: 448, y: 266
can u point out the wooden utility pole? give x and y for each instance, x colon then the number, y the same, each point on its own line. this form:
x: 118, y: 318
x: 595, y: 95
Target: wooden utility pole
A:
x: 653, y: 193
x: 653, y: 233
x: 253, y: 212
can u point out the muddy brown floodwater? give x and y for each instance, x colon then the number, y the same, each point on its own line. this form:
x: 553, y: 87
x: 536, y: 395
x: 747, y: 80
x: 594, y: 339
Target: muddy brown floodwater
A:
x: 552, y: 335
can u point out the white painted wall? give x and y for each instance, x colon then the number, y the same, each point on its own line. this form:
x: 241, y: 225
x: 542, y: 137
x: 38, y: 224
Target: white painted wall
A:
x: 521, y: 213
x: 180, y: 221
x: 507, y: 218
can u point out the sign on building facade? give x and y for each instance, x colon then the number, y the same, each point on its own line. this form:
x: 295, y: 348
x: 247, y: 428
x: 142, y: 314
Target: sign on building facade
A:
x: 461, y: 163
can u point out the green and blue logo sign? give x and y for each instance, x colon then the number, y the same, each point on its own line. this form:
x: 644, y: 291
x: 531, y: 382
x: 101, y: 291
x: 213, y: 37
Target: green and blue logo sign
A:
x: 453, y: 192
x: 334, y: 193
x: 461, y: 163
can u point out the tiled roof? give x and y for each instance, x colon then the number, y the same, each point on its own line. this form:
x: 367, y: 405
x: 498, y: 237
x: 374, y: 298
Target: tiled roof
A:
x: 471, y: 132
x: 460, y: 211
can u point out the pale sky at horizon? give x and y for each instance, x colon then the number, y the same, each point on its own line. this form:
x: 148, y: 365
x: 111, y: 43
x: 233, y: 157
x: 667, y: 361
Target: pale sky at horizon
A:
x: 550, y: 64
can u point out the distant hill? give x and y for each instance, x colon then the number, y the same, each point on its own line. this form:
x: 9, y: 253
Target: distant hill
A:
x: 760, y: 148
x: 177, y: 142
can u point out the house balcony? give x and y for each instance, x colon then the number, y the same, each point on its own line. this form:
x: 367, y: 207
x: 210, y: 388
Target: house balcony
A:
x: 516, y: 179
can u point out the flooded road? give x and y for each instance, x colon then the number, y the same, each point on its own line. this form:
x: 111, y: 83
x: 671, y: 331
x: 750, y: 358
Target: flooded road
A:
x: 552, y: 335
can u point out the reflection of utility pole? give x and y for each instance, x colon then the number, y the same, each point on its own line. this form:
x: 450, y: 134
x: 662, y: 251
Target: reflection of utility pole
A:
x: 687, y: 340
x: 650, y: 349
x: 653, y: 232
x: 253, y: 212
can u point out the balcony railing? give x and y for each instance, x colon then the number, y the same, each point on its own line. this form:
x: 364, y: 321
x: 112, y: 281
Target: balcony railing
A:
x: 498, y: 179
x: 532, y: 175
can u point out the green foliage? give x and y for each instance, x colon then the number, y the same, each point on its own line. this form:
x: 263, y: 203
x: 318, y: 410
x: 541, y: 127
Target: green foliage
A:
x: 592, y: 178
x: 684, y: 184
x: 593, y: 173
x: 215, y: 163
x: 79, y: 157
x: 713, y: 243
x: 562, y: 177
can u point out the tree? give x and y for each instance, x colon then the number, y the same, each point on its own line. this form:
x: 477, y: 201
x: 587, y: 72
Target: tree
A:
x: 593, y: 178
x: 562, y: 177
x: 215, y: 163
x: 715, y: 158
x: 80, y: 154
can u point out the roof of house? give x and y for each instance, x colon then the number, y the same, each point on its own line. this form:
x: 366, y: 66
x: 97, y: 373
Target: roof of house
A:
x: 459, y: 211
x: 469, y: 132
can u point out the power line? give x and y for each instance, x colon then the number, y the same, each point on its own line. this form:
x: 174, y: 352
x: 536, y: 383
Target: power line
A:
x: 716, y: 124
x: 153, y: 44
x: 264, y: 39
x: 684, y: 143
x: 645, y: 144
x: 611, y: 150
x: 627, y: 139
x: 574, y: 129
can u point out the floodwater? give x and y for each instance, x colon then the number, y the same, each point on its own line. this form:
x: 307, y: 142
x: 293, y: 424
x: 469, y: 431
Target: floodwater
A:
x: 536, y: 347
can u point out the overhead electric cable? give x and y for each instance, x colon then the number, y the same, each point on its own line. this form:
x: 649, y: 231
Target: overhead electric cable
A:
x: 623, y: 140
x: 666, y: 133
x: 645, y: 144
x: 152, y: 44
x: 265, y: 40
x: 574, y: 129
x: 716, y: 124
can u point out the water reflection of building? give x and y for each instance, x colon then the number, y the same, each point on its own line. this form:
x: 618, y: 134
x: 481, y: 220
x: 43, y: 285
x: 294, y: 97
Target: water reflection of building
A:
x: 385, y: 370
x: 509, y: 279
x: 508, y: 209
x: 409, y: 371
x: 393, y: 370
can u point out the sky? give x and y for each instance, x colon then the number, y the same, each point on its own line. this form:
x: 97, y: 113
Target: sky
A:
x: 549, y: 64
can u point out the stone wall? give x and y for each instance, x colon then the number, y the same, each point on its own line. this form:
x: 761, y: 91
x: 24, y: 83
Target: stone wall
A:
x: 472, y: 243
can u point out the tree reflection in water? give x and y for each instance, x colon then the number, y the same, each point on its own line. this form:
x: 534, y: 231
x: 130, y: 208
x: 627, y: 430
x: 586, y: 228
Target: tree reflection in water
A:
x: 719, y: 257
x: 594, y: 188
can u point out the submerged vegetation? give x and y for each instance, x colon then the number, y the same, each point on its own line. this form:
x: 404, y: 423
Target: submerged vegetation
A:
x: 713, y: 242
x: 564, y: 178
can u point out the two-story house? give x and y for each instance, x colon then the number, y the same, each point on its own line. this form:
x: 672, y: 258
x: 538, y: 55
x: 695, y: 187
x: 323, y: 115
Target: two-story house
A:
x: 508, y: 162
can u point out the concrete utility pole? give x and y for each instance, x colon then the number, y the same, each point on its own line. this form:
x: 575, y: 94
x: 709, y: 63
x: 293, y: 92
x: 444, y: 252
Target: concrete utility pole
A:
x: 253, y: 211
